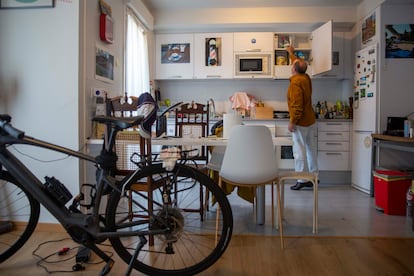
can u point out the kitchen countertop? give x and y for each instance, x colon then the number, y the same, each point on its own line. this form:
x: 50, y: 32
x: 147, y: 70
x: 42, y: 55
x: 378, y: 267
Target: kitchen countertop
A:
x: 286, y: 119
x: 275, y: 119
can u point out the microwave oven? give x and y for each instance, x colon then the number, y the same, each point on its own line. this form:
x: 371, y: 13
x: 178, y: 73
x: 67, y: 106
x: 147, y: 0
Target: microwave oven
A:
x: 253, y: 65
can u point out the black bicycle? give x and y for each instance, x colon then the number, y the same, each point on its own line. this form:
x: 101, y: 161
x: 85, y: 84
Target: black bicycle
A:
x: 159, y: 238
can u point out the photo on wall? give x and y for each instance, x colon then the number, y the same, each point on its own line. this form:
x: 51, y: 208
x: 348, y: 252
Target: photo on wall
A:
x: 368, y: 29
x: 104, y: 65
x: 399, y: 41
x: 26, y: 4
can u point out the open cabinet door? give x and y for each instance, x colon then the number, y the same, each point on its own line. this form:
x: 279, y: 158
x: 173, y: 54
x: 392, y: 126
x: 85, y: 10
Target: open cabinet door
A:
x: 322, y: 49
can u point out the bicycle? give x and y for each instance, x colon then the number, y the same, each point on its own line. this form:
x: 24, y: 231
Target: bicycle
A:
x: 183, y: 243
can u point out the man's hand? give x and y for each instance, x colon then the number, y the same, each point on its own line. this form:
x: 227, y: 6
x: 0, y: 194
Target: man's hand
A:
x: 290, y: 49
x: 291, y: 127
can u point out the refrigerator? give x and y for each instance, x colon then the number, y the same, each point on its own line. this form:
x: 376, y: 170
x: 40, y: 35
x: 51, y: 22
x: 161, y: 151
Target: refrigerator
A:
x: 364, y: 116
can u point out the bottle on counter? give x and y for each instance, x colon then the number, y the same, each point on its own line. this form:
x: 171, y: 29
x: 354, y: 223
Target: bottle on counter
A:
x: 323, y: 111
x: 318, y: 109
x: 410, y: 200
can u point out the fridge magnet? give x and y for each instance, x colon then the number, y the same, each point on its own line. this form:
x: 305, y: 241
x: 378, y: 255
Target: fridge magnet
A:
x: 175, y: 53
x: 399, y: 41
x: 26, y: 4
x: 104, y: 65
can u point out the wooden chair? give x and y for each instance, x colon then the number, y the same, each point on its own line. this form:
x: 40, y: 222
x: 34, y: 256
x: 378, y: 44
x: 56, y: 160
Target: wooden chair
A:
x: 192, y: 120
x: 124, y: 106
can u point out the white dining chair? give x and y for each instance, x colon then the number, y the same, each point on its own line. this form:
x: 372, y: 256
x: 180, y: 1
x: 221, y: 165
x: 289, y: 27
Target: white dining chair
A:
x: 250, y: 160
x: 312, y: 177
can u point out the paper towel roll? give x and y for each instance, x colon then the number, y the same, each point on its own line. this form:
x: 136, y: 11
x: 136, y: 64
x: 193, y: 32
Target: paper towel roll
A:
x: 229, y: 121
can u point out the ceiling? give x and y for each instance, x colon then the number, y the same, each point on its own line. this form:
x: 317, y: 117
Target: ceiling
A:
x: 166, y: 13
x: 165, y: 5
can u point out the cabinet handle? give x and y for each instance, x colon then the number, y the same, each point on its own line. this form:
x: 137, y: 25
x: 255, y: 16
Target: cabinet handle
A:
x: 175, y: 77
x: 335, y: 144
x: 213, y: 76
x: 334, y: 124
x: 333, y: 153
x: 332, y: 133
x: 253, y: 50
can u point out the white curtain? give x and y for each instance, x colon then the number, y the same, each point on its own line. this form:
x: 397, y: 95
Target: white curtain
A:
x: 136, y: 58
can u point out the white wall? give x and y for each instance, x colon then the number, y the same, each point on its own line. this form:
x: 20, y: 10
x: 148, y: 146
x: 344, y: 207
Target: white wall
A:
x: 39, y: 83
x: 396, y: 74
x: 47, y: 71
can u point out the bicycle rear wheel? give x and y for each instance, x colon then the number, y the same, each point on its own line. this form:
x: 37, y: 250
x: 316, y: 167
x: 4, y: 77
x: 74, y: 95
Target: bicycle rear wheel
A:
x: 19, y: 214
x: 183, y: 242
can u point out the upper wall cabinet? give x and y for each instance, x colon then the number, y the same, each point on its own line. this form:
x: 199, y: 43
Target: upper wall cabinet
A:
x: 338, y: 58
x: 253, y: 42
x: 174, y: 56
x: 213, y: 55
x: 312, y: 47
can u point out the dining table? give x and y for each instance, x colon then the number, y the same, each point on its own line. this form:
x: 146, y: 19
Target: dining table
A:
x: 212, y: 141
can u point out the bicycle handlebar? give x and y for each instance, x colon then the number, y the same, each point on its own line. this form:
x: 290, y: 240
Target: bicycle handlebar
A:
x: 8, y: 128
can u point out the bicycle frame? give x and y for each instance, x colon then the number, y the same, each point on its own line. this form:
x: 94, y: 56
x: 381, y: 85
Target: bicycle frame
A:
x: 24, y: 176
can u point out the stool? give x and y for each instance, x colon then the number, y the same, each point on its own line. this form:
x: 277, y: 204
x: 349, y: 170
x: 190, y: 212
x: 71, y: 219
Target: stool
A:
x: 312, y: 177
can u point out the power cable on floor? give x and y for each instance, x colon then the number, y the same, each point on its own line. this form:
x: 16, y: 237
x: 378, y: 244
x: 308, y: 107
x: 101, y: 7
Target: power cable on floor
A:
x: 65, y: 254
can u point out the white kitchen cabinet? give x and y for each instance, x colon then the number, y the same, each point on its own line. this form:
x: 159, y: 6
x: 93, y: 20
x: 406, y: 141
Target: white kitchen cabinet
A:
x: 310, y: 46
x: 338, y: 58
x: 215, y: 63
x: 253, y: 42
x: 174, y: 56
x: 333, y: 146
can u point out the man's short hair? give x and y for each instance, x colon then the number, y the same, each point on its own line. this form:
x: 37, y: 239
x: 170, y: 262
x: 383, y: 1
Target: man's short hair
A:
x: 300, y: 66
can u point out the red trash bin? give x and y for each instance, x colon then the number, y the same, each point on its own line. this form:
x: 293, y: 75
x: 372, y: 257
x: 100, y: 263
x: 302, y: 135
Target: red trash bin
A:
x: 390, y: 188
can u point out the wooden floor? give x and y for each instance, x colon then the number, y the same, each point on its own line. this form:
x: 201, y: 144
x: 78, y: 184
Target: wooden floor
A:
x: 251, y: 255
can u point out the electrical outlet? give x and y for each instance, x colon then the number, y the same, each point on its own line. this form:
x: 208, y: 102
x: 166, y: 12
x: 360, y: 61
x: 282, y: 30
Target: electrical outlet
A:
x: 98, y: 101
x: 97, y: 92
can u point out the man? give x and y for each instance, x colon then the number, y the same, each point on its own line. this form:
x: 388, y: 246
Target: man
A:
x: 302, y: 119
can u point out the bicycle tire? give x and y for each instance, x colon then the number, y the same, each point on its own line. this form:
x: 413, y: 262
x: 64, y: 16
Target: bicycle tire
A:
x: 192, y: 239
x: 19, y: 214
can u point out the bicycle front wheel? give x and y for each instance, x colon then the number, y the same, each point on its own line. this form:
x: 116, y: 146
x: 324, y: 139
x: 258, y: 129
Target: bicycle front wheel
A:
x: 19, y: 214
x: 179, y: 241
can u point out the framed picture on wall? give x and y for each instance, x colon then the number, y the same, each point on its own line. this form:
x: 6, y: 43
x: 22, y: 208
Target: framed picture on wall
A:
x: 175, y: 53
x: 368, y: 29
x: 26, y: 4
x: 399, y: 41
x: 104, y: 64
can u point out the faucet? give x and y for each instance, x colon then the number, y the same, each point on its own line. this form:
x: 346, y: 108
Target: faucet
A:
x: 212, y: 108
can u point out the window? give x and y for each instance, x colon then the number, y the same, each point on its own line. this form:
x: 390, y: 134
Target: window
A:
x: 136, y: 57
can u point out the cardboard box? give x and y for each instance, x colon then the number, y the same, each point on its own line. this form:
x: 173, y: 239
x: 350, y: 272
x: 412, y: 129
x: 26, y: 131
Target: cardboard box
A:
x: 390, y: 188
x: 263, y: 112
